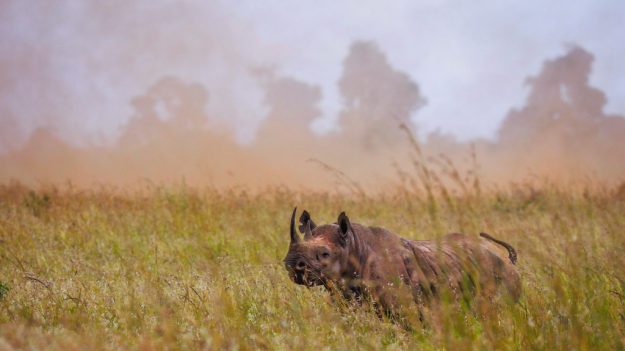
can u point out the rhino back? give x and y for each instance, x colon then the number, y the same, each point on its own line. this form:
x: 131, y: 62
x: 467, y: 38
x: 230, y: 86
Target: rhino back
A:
x: 458, y: 260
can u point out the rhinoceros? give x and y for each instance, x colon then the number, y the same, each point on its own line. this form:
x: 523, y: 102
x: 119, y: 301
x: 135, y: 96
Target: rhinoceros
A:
x: 376, y: 263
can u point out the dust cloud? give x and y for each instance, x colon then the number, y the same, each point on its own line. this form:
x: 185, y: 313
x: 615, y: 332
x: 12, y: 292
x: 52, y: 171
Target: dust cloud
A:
x: 562, y: 129
x: 377, y: 98
x: 172, y: 135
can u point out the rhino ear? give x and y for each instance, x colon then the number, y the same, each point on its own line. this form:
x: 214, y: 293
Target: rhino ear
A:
x: 305, y: 220
x: 344, y: 228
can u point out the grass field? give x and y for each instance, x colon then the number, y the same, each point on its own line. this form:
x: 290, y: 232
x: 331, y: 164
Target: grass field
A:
x: 178, y: 268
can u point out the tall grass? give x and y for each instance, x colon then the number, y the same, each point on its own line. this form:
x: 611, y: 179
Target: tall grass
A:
x: 182, y: 268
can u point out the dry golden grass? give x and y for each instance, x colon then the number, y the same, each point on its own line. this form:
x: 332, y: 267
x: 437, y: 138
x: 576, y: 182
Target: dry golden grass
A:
x: 178, y: 268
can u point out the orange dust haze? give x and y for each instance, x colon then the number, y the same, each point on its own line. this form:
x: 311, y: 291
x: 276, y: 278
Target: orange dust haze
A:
x: 561, y: 132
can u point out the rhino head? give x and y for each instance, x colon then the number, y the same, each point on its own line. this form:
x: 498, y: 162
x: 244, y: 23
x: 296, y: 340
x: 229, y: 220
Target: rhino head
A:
x: 321, y: 255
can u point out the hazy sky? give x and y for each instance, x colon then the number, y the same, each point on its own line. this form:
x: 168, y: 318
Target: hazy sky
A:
x: 73, y: 66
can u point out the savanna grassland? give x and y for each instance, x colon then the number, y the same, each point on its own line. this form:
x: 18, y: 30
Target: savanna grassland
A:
x: 182, y: 268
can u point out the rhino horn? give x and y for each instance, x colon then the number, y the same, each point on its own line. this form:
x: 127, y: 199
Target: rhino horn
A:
x: 294, y: 236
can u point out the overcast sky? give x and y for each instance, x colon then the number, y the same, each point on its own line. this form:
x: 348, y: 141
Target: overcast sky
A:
x: 73, y: 66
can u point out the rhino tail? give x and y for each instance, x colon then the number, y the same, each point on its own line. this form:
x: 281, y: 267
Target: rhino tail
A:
x: 511, y: 250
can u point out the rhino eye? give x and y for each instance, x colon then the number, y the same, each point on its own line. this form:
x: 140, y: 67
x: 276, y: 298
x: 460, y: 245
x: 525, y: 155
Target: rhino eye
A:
x: 322, y: 254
